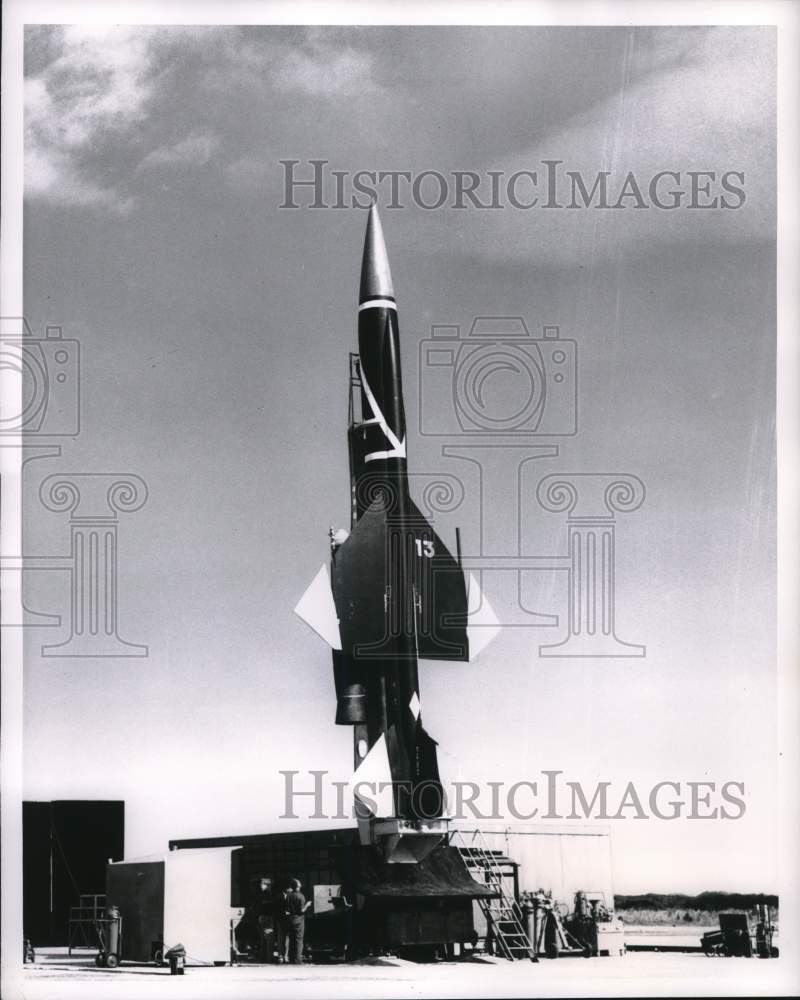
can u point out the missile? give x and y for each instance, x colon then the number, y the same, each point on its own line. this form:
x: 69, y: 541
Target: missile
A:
x: 396, y: 594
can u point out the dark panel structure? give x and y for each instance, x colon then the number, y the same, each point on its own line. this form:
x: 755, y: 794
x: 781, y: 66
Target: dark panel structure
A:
x: 137, y: 890
x: 428, y: 903
x: 307, y: 855
x: 36, y: 873
x: 65, y: 847
x: 426, y: 922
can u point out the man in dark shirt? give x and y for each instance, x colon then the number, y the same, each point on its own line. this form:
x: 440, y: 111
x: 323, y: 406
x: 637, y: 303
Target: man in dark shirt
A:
x: 296, y: 907
x: 281, y: 927
x: 266, y: 921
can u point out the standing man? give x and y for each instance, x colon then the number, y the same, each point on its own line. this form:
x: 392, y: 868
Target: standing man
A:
x: 296, y: 907
x: 266, y: 921
x: 281, y: 924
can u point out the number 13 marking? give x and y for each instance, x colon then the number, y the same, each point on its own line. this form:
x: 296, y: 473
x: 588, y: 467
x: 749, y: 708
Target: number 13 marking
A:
x: 425, y: 548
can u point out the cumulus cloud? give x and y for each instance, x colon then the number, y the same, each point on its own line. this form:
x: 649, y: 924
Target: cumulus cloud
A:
x: 51, y: 175
x: 193, y: 151
x: 315, y: 64
x: 324, y: 70
x: 95, y: 88
x: 91, y: 103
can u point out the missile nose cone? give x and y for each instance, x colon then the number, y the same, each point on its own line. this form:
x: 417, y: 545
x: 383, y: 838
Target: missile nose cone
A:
x: 376, y: 278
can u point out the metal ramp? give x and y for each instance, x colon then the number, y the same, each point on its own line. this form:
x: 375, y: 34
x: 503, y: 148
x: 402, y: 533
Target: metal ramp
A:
x: 504, y: 918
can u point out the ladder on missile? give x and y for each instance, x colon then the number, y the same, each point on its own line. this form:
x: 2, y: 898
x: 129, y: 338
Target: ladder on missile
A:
x: 503, y: 913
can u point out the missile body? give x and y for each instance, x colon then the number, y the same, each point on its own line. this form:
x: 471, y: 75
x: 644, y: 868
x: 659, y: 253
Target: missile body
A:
x: 396, y: 593
x: 392, y: 681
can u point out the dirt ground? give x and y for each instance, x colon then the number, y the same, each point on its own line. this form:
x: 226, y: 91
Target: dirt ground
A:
x: 56, y: 975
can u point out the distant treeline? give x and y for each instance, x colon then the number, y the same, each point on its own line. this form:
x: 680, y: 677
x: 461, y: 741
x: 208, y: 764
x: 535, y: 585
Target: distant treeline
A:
x: 707, y: 901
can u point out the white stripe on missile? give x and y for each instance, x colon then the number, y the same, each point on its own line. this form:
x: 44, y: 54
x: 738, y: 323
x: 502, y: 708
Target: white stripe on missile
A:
x: 398, y: 449
x: 376, y: 303
x: 375, y: 456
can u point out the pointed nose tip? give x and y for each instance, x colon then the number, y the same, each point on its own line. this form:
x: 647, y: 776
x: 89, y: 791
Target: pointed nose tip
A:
x: 376, y: 277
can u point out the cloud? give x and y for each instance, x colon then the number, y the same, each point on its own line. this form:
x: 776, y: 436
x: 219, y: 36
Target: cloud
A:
x: 710, y: 107
x: 51, y: 176
x: 323, y: 70
x: 250, y: 174
x: 95, y: 89
x: 193, y: 151
x: 91, y: 97
x: 316, y: 64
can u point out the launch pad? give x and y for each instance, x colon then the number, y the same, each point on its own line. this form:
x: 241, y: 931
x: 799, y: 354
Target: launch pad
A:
x: 667, y: 974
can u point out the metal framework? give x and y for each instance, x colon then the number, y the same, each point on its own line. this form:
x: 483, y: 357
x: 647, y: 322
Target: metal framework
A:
x: 84, y: 920
x: 504, y: 918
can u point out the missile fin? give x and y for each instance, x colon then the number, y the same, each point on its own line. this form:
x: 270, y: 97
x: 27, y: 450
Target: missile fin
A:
x: 362, y: 572
x: 361, y: 579
x: 317, y: 609
x: 482, y: 624
x: 375, y: 772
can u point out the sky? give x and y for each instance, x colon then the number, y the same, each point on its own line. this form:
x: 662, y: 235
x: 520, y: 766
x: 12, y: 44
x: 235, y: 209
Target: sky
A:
x: 214, y: 329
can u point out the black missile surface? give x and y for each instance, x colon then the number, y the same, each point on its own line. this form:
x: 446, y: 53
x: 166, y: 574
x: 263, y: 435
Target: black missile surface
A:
x: 397, y: 592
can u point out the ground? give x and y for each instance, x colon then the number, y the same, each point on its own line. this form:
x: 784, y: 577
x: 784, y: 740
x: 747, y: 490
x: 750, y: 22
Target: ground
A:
x: 56, y: 975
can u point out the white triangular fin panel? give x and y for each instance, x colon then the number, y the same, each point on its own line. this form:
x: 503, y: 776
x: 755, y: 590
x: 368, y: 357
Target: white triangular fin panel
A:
x: 482, y: 623
x: 374, y: 769
x: 317, y: 609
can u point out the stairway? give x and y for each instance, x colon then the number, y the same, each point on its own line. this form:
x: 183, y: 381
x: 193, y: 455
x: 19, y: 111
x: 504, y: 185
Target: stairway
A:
x: 504, y: 918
